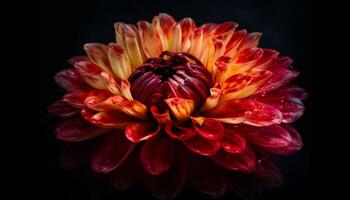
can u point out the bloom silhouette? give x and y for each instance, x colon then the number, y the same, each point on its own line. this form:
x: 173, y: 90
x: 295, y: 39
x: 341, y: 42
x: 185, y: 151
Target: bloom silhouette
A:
x: 172, y: 103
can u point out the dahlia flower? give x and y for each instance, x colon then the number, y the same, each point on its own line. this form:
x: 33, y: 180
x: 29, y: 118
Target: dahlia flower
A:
x: 164, y: 89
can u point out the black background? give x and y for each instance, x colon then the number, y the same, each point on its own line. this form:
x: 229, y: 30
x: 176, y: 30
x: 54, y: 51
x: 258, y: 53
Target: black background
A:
x: 66, y: 25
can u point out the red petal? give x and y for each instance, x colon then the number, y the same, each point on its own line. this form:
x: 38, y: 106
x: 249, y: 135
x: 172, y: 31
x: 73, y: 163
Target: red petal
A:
x: 273, y: 136
x: 277, y: 79
x: 77, y: 129
x: 157, y: 155
x: 74, y: 155
x: 141, y: 131
x: 112, y: 152
x: 293, y: 147
x: 210, y: 129
x: 62, y: 109
x: 75, y: 99
x: 71, y: 81
x: 244, y: 162
x: 202, y: 146
x: 168, y: 184
x: 233, y: 142
x: 129, y: 173
x: 268, y: 57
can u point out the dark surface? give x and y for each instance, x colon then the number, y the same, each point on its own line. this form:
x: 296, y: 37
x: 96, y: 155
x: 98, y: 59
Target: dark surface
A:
x: 66, y: 26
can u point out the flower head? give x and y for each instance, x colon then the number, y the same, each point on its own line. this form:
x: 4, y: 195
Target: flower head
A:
x: 167, y: 87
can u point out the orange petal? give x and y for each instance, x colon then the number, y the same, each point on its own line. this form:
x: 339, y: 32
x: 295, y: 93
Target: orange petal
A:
x: 232, y: 45
x: 111, y: 119
x: 217, y: 50
x: 91, y: 74
x: 181, y: 108
x: 111, y: 84
x: 100, y: 100
x: 119, y: 60
x: 98, y: 54
x: 161, y: 117
x: 196, y: 41
x: 244, y: 61
x: 175, y: 39
x: 163, y: 24
x: 220, y: 69
x: 187, y: 27
x: 141, y: 131
x: 150, y: 41
x: 131, y: 107
x: 125, y: 89
x: 250, y: 40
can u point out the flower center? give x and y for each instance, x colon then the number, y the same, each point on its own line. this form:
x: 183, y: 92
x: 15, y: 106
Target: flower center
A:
x: 170, y: 75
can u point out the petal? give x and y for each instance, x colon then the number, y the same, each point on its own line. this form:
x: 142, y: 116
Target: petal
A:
x: 196, y: 41
x: 161, y: 116
x: 127, y: 36
x: 228, y: 112
x: 250, y: 40
x: 131, y: 107
x: 129, y: 173
x: 232, y: 45
x: 163, y: 24
x: 119, y: 60
x: 75, y: 99
x: 244, y: 162
x: 181, y: 108
x: 100, y: 100
x: 244, y: 61
x: 77, y: 129
x: 91, y: 74
x: 141, y: 131
x: 98, y: 54
x: 232, y: 142
x: 170, y: 183
x: 111, y: 84
x: 157, y: 155
x: 179, y: 132
x: 210, y: 129
x: 202, y: 146
x: 175, y: 39
x: 277, y: 79
x: 295, y: 145
x: 71, y: 81
x: 187, y: 27
x: 273, y: 136
x: 267, y: 58
x: 150, y: 41
x: 212, y: 100
x: 62, y: 109
x: 111, y: 119
x: 242, y: 85
x: 112, y: 152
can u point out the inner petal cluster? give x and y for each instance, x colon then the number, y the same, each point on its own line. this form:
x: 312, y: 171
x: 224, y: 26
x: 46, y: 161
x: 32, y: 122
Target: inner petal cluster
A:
x: 171, y: 75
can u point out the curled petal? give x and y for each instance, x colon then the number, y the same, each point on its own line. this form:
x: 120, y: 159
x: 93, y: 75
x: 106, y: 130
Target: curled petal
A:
x: 244, y: 162
x: 119, y: 60
x: 100, y: 100
x: 125, y: 89
x: 150, y: 41
x: 111, y: 84
x: 98, y: 54
x: 62, y: 109
x: 179, y: 132
x: 75, y: 99
x: 112, y: 152
x: 131, y: 107
x: 181, y: 108
x: 210, y: 129
x: 161, y: 117
x: 141, y: 131
x: 202, y: 146
x: 157, y: 155
x: 295, y: 145
x: 77, y: 129
x: 273, y: 136
x: 232, y: 142
x: 71, y: 81
x: 212, y: 100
